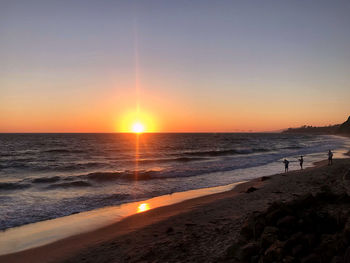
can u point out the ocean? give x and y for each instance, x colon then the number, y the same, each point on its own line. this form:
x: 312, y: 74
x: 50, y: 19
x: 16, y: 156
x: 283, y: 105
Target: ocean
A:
x: 45, y: 176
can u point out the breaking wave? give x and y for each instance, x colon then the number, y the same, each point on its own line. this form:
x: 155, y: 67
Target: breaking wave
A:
x: 70, y: 184
x: 13, y: 186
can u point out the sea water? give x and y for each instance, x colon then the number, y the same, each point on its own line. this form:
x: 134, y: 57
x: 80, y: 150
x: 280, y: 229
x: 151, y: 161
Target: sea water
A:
x: 45, y: 176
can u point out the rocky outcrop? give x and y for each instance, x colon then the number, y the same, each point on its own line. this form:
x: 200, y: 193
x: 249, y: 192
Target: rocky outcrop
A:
x: 312, y: 228
x: 345, y: 127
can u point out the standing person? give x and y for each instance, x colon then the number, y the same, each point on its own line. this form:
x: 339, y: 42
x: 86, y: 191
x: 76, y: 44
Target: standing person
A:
x: 301, y: 161
x: 286, y: 163
x: 330, y: 157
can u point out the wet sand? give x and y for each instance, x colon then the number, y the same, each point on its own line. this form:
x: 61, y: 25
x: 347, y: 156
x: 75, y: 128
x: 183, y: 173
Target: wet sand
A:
x: 196, y: 230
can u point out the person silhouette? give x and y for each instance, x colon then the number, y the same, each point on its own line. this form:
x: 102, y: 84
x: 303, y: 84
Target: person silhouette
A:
x: 286, y: 163
x: 330, y: 157
x: 301, y: 161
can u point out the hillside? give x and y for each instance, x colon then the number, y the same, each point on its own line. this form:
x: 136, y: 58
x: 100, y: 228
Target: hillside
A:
x: 343, y: 128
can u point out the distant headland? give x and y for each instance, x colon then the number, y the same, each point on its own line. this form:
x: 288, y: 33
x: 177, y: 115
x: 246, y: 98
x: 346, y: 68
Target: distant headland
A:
x: 343, y: 128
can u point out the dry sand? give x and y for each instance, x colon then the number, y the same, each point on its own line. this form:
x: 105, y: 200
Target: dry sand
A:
x: 197, y: 230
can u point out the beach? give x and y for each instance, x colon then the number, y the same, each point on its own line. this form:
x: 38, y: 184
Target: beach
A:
x: 174, y: 131
x: 196, y: 230
x: 49, y: 176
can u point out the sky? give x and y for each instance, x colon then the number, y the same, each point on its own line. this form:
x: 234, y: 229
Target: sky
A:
x: 177, y: 66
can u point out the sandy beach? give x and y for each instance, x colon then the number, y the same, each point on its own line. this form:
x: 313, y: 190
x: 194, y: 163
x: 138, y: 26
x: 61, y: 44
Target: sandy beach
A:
x: 196, y: 230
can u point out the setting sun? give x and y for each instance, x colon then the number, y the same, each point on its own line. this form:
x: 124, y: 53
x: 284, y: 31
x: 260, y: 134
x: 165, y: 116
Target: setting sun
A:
x: 138, y: 127
x: 137, y: 122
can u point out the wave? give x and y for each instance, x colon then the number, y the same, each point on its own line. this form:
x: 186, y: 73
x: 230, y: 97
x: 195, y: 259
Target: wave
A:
x: 46, y: 180
x: 13, y: 186
x: 70, y: 184
x: 293, y: 147
x: 61, y: 166
x: 178, y: 159
x: 62, y: 151
x: 14, y: 165
x: 214, y: 153
x: 126, y: 175
x: 78, y: 166
x: 116, y: 197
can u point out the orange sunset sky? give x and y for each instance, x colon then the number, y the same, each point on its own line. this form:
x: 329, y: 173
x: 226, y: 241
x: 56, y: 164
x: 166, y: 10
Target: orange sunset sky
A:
x: 199, y: 66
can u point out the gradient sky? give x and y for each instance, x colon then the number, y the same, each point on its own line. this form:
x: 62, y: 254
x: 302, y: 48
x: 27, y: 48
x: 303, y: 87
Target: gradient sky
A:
x: 73, y: 66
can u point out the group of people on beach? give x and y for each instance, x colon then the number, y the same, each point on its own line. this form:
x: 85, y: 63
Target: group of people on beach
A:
x: 301, y: 161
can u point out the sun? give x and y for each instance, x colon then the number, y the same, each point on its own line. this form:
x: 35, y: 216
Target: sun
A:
x: 136, y: 122
x: 137, y: 127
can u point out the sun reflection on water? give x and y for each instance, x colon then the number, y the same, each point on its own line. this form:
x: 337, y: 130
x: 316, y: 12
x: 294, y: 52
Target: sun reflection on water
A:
x: 143, y: 207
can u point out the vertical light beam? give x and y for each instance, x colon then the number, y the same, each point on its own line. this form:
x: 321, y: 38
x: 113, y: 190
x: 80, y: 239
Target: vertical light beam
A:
x: 136, y: 65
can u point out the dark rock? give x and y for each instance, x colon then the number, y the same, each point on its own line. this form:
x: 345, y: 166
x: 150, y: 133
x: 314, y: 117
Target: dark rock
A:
x: 276, y: 192
x: 247, y: 231
x: 326, y: 188
x: 343, y: 198
x: 233, y: 251
x: 347, y: 255
x: 328, y: 246
x: 287, y: 222
x: 346, y: 230
x: 313, y: 258
x: 247, y: 251
x: 274, y: 252
x: 340, y: 243
x: 326, y: 195
x: 289, y: 259
x: 258, y: 229
x: 326, y: 223
x: 309, y: 240
x: 169, y: 230
x: 251, y: 189
x: 337, y: 259
x: 244, y: 253
x: 347, y: 175
x: 274, y: 206
x: 303, y: 201
x: 322, y: 222
x: 254, y: 259
x: 273, y: 216
x: 269, y: 236
x: 306, y: 221
x: 264, y: 178
x: 298, y: 250
x: 294, y: 240
x: 253, y: 228
x: 259, y: 225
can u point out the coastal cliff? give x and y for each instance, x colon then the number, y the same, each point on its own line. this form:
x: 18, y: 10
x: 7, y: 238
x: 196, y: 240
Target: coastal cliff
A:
x: 343, y: 128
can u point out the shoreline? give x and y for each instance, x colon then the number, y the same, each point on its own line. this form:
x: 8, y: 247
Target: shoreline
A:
x: 49, y: 231
x: 59, y: 250
x: 69, y: 247
x: 17, y: 239
x: 255, y: 167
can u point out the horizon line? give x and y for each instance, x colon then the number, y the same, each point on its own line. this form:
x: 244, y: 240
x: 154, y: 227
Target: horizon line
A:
x: 277, y: 131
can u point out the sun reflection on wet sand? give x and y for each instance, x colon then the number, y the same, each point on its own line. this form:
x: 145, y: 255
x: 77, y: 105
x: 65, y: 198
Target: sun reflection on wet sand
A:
x: 44, y: 232
x: 143, y: 207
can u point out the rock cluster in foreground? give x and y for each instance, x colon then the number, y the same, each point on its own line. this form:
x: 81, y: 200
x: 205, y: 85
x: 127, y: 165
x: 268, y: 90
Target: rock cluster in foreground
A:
x: 308, y: 229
